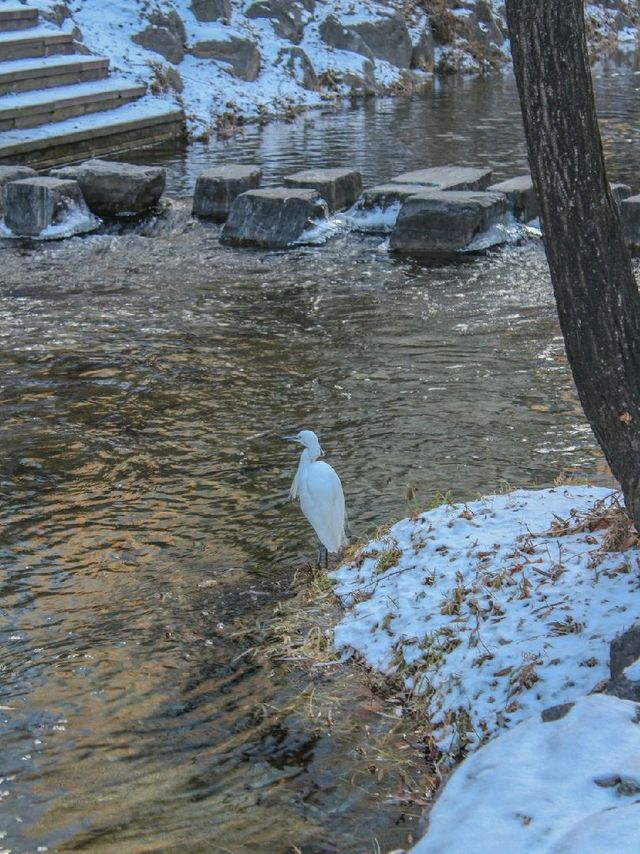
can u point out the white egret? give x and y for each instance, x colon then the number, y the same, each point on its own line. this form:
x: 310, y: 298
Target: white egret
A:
x: 321, y: 496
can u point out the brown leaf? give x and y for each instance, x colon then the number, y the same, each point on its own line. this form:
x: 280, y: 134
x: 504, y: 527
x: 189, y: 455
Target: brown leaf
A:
x: 624, y: 417
x: 504, y: 672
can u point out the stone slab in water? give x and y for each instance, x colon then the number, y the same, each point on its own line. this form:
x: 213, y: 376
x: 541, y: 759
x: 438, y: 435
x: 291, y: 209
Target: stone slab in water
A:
x: 216, y: 189
x: 443, y: 222
x: 111, y: 188
x: 447, y: 177
x: 630, y: 212
x: 521, y: 196
x: 35, y: 205
x: 338, y: 187
x: 13, y: 173
x: 621, y: 191
x: 377, y: 208
x: 273, y: 217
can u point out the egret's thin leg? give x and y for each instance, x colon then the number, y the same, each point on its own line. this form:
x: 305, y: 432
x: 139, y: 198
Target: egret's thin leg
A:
x: 326, y: 558
x: 319, y: 556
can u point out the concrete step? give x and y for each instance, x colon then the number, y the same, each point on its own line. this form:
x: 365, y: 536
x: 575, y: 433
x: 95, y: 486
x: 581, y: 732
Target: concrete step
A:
x: 30, y: 109
x: 135, y: 125
x: 17, y: 18
x: 37, y: 41
x: 23, y: 75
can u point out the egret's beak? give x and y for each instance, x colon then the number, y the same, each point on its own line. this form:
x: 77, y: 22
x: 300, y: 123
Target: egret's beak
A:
x: 289, y: 438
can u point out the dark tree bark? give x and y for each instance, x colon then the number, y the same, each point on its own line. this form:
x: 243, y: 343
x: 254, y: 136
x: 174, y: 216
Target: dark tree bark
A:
x: 596, y: 294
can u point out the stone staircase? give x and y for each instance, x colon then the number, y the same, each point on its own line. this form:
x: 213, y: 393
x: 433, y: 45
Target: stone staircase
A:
x: 59, y: 104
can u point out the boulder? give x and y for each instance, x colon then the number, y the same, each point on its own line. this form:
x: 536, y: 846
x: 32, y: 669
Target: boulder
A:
x: 338, y: 187
x: 486, y: 27
x: 299, y: 66
x: 387, y: 38
x: 46, y: 207
x: 624, y: 651
x: 285, y: 16
x: 447, y: 178
x: 13, y: 173
x: 363, y: 84
x: 630, y: 212
x: 216, y: 189
x: 520, y: 195
x: 163, y: 41
x: 274, y: 217
x: 116, y: 189
x: 437, y: 222
x: 211, y: 10
x: 335, y: 34
x: 422, y: 52
x: 377, y: 208
x: 240, y: 55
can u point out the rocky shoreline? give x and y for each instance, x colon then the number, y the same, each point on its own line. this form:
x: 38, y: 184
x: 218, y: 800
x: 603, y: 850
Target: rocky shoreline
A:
x: 227, y: 62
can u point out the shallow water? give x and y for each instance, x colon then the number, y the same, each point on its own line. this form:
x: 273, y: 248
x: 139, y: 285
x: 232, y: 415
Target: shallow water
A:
x: 148, y: 552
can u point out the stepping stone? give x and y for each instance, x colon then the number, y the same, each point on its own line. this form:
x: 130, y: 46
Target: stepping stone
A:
x: 448, y: 178
x: 13, y: 173
x: 274, y: 217
x: 520, y: 195
x: 116, y: 189
x: 436, y: 223
x: 630, y: 212
x: 216, y: 188
x: 338, y: 187
x: 377, y: 208
x: 46, y: 207
x: 621, y: 192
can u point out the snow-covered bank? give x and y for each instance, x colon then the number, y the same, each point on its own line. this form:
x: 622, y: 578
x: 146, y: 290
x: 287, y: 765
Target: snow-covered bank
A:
x: 492, y: 612
x: 568, y: 786
x: 228, y: 61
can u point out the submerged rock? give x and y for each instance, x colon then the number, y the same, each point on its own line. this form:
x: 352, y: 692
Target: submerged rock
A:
x: 437, y: 222
x: 447, y: 177
x: 47, y: 207
x: 274, y: 217
x: 520, y: 195
x: 216, y: 189
x: 338, y: 187
x: 111, y: 188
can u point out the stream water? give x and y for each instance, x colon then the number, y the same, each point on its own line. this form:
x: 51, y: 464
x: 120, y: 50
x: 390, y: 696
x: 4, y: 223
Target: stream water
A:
x: 147, y: 549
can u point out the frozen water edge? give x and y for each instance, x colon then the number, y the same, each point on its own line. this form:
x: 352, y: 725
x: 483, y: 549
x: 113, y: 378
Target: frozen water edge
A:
x: 76, y: 221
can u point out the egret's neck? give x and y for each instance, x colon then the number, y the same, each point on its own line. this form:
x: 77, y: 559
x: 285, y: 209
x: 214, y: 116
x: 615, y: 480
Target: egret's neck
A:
x: 307, y: 456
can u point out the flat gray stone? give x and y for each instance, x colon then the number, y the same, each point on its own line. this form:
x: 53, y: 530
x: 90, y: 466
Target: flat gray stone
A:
x: 630, y: 212
x: 620, y: 191
x: 338, y: 187
x: 521, y: 196
x: 111, y: 188
x: 216, y: 189
x: 13, y: 173
x: 273, y: 217
x: 46, y: 207
x: 447, y: 177
x: 444, y: 222
x: 377, y: 208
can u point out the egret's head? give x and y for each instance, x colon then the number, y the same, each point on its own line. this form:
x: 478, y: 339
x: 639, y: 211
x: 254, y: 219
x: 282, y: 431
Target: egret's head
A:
x: 309, y: 439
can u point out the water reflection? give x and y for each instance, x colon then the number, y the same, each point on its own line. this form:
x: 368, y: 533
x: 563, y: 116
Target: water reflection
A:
x: 146, y: 540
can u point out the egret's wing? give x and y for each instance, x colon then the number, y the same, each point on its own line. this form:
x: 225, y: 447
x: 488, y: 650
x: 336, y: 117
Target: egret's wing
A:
x: 293, y: 491
x: 322, y: 502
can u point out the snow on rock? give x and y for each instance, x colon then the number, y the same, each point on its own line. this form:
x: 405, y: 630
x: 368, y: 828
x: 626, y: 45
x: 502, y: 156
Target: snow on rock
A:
x: 564, y: 787
x: 491, y: 611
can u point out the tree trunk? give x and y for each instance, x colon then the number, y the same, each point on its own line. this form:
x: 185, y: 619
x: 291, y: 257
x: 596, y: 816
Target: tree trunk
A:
x: 596, y: 294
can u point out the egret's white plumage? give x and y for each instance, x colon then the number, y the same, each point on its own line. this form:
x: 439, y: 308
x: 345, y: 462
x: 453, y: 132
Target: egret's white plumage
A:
x: 319, y: 489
